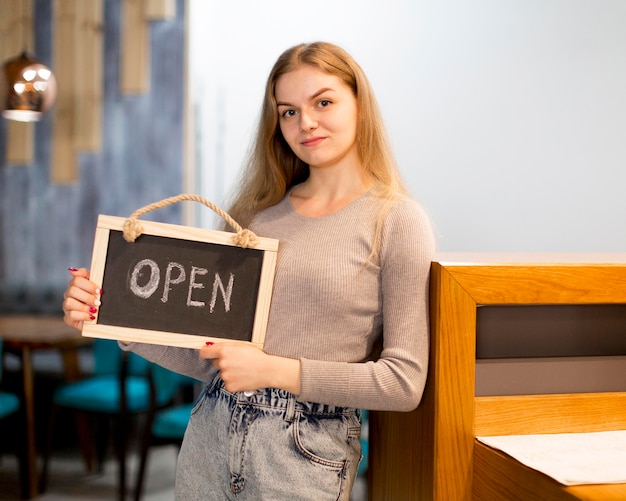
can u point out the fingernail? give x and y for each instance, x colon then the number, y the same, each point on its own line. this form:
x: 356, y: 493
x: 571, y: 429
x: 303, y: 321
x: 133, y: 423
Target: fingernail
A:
x: 97, y: 302
x: 210, y: 343
x: 99, y: 291
x: 73, y: 269
x: 91, y: 317
x: 93, y: 309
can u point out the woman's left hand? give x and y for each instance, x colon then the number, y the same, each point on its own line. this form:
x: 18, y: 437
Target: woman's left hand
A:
x: 244, y: 367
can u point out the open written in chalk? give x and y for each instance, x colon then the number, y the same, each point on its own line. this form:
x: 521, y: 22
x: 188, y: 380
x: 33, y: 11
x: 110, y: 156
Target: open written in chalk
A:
x: 180, y: 286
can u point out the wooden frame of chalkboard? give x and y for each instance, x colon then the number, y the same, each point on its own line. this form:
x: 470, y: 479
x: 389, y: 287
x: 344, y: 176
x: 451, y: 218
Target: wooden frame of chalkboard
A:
x: 179, y: 285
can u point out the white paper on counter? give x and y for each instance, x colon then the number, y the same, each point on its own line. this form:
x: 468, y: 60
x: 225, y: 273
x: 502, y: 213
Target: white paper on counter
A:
x: 569, y: 458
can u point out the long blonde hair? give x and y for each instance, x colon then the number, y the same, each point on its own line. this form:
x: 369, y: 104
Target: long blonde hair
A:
x: 272, y: 167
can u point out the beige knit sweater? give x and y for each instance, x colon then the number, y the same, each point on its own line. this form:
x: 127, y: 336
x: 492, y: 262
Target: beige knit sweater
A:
x: 359, y: 329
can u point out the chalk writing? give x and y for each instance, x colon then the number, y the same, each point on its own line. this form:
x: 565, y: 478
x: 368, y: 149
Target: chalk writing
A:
x: 144, y: 291
x: 225, y: 293
x: 154, y: 279
x: 168, y: 279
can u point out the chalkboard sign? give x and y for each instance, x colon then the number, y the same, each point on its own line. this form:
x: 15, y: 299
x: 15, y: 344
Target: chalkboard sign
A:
x: 180, y: 286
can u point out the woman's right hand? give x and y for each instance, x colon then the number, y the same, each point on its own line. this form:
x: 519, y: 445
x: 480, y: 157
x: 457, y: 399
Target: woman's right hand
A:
x: 81, y: 299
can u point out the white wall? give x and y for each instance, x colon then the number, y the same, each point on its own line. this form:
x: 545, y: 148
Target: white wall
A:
x: 508, y: 117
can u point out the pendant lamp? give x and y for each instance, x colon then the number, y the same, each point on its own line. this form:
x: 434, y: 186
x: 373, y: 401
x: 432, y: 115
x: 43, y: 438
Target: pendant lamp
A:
x: 27, y: 89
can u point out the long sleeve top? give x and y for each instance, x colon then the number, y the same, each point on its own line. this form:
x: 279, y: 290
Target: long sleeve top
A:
x: 358, y: 325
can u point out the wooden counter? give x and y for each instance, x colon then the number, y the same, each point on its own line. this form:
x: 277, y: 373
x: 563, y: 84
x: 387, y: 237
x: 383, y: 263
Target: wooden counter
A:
x: 431, y: 453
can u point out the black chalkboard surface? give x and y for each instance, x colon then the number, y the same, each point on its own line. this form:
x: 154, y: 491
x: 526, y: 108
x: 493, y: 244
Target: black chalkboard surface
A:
x: 180, y: 286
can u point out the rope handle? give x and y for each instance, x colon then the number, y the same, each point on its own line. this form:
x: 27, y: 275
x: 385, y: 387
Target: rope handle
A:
x: 133, y: 228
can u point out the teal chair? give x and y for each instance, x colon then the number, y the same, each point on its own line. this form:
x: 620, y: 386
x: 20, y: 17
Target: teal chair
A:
x: 9, y: 405
x: 167, y: 427
x: 364, y: 445
x: 123, y: 385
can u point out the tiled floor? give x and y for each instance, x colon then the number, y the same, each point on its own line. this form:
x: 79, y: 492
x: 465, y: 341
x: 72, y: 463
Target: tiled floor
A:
x: 68, y: 480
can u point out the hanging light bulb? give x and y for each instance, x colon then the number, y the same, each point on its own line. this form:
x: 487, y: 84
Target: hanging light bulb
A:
x: 27, y: 89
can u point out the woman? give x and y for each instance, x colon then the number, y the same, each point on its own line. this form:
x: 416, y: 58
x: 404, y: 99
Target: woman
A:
x: 348, y: 323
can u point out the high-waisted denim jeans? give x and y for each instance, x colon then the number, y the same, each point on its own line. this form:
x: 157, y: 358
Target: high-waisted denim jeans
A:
x: 267, y: 446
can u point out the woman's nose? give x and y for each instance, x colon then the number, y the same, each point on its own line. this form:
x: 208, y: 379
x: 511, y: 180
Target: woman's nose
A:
x: 307, y: 122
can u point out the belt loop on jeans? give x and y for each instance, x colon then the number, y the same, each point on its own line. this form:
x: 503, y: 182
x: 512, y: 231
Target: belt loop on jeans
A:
x: 217, y: 380
x: 291, y: 408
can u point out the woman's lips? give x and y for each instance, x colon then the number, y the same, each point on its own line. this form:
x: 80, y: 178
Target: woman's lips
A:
x: 313, y: 141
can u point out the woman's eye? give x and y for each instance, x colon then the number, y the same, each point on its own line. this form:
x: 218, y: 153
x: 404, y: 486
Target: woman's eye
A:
x: 288, y: 113
x: 323, y: 103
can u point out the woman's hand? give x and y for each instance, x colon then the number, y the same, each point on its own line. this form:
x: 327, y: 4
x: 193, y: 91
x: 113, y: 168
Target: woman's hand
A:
x: 81, y: 298
x: 244, y: 367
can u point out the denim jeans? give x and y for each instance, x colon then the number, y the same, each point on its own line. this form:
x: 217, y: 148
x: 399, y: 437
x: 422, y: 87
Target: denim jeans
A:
x: 267, y: 446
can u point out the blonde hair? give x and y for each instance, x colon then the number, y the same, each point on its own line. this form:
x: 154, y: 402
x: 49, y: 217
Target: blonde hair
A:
x: 272, y: 168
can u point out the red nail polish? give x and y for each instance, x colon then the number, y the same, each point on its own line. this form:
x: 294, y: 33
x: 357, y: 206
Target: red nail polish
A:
x: 73, y: 269
x: 91, y: 317
x: 93, y: 309
x: 210, y: 343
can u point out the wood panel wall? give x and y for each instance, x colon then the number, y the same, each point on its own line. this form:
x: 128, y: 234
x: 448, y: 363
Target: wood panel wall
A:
x: 46, y: 227
x: 16, y: 35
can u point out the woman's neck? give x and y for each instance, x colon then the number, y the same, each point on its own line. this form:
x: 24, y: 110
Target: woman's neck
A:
x: 326, y: 192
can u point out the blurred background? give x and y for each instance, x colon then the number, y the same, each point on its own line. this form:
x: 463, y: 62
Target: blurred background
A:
x: 507, y: 119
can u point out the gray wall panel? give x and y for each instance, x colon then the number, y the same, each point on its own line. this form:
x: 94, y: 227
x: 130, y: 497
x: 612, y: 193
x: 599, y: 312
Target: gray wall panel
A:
x: 46, y: 228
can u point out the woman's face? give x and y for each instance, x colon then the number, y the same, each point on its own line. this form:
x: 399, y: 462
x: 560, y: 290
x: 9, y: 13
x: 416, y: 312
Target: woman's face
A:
x: 317, y: 114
